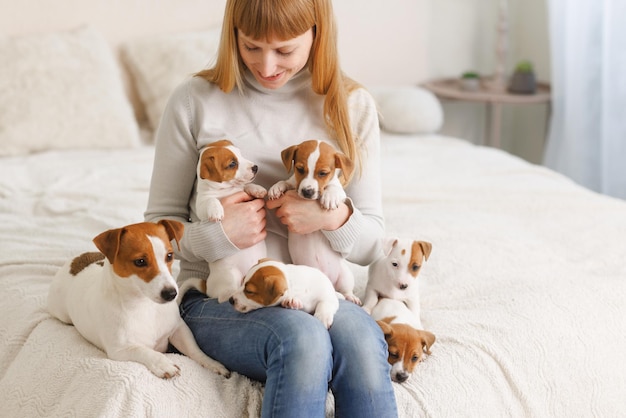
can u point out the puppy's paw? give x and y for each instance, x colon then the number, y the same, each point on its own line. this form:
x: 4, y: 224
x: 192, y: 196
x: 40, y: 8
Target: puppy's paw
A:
x: 325, y: 318
x: 164, y: 368
x: 332, y: 198
x: 277, y: 190
x: 353, y: 298
x: 255, y: 190
x: 215, y: 210
x: 292, y: 303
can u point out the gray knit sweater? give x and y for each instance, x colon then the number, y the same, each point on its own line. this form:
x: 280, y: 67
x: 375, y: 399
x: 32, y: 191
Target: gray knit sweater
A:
x: 261, y: 122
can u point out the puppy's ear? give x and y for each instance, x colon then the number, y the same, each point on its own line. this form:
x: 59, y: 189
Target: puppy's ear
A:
x: 220, y: 143
x: 208, y: 168
x: 426, y: 248
x: 174, y: 230
x: 288, y: 155
x: 388, y: 243
x: 347, y: 167
x: 384, y: 325
x: 428, y: 339
x: 108, y: 242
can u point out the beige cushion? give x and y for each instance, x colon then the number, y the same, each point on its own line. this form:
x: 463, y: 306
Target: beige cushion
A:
x: 62, y: 90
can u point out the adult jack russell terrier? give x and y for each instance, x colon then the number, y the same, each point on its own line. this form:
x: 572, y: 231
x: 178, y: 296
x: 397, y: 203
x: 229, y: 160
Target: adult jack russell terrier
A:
x: 316, y: 170
x: 121, y: 300
x: 395, y: 274
x: 272, y: 283
x: 222, y: 171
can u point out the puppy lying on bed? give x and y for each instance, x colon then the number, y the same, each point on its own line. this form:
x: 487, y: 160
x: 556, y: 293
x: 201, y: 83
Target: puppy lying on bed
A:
x: 122, y: 299
x: 272, y: 283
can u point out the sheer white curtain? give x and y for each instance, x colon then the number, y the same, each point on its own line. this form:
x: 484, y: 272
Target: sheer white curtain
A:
x: 587, y: 139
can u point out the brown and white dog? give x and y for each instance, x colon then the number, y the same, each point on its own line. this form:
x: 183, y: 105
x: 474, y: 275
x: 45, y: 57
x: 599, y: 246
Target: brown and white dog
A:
x: 223, y: 171
x: 272, y: 283
x: 317, y: 167
x: 406, y: 346
x: 122, y: 299
x: 395, y: 274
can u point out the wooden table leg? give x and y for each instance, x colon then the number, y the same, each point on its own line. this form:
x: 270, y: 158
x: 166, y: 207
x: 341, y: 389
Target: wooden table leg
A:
x: 494, y: 122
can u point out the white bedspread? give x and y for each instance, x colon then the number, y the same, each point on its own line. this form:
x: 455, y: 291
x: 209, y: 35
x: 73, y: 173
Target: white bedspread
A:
x: 525, y: 289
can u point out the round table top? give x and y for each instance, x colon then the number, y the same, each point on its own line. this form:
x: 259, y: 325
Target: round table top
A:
x: 450, y: 88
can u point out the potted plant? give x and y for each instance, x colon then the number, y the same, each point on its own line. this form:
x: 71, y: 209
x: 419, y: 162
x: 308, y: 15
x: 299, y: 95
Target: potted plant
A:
x: 523, y: 80
x: 470, y: 81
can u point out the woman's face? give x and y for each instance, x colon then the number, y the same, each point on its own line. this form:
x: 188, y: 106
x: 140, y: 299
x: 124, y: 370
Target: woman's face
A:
x: 274, y: 62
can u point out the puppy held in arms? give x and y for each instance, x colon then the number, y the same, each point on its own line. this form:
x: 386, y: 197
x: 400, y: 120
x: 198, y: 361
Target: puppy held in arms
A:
x: 272, y: 283
x: 318, y: 170
x: 122, y: 298
x: 223, y: 171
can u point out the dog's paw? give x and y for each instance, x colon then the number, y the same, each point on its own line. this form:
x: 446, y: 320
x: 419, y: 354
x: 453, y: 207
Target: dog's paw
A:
x: 325, y: 318
x: 164, y: 368
x: 215, y: 366
x: 332, y: 198
x: 292, y: 303
x: 255, y: 190
x: 353, y: 298
x: 277, y: 190
x: 214, y: 210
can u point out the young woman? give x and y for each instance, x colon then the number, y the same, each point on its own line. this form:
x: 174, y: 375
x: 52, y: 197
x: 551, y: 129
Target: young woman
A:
x: 277, y: 82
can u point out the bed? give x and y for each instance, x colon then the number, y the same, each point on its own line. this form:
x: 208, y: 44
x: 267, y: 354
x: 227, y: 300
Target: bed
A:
x: 524, y: 290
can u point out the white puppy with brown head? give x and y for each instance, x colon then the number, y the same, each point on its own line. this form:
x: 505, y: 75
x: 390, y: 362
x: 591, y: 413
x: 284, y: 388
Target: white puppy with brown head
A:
x: 318, y: 169
x: 395, y: 275
x: 406, y: 345
x: 122, y: 298
x: 223, y: 171
x: 272, y: 283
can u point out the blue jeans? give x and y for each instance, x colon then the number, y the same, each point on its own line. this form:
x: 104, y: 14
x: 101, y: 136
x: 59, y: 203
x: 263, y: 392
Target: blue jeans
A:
x: 297, y: 358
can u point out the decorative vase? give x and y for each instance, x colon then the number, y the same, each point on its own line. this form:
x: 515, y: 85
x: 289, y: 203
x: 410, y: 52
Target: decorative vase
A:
x: 523, y: 82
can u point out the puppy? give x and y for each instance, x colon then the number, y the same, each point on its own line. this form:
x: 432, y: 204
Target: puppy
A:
x: 395, y: 275
x: 317, y: 168
x: 121, y: 300
x: 272, y: 283
x: 406, y: 346
x: 222, y: 171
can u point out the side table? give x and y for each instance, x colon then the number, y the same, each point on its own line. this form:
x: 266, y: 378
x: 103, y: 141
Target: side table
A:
x: 494, y: 99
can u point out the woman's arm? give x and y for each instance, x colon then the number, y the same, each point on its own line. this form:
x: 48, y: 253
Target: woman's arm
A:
x: 172, y: 184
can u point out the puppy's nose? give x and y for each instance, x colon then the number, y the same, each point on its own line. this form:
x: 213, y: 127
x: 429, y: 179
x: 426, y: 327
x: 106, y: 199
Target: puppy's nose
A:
x: 255, y: 168
x: 401, y: 377
x: 169, y: 293
x: 308, y: 193
x: 403, y: 286
x: 231, y: 300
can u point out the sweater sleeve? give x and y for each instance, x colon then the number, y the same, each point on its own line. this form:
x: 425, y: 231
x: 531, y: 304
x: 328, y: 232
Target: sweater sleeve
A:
x: 173, y: 180
x: 359, y: 238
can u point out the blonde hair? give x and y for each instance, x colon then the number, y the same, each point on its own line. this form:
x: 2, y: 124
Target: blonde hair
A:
x: 287, y: 19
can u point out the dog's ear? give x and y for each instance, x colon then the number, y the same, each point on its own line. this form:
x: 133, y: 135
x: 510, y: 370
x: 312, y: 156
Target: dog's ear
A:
x: 388, y: 243
x: 347, y: 167
x: 384, y: 325
x: 428, y: 339
x: 288, y: 155
x: 108, y: 242
x: 426, y: 248
x: 220, y: 143
x: 174, y: 230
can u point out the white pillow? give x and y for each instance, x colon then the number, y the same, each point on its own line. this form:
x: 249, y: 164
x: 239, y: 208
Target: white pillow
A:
x: 62, y: 90
x: 408, y: 110
x: 160, y: 63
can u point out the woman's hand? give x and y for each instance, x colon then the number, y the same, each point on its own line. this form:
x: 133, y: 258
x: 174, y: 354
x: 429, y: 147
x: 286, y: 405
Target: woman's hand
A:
x: 303, y: 216
x: 244, y: 219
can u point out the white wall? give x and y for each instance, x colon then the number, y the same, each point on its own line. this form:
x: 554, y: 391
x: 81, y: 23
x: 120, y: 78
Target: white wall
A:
x: 390, y: 42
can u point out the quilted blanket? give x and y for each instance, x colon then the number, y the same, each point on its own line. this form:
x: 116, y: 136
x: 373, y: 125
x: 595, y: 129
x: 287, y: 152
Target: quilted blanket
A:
x: 525, y: 288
